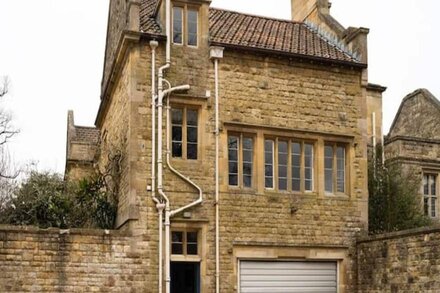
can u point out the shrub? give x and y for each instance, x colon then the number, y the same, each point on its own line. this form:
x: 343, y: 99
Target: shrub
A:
x: 45, y: 200
x: 394, y: 200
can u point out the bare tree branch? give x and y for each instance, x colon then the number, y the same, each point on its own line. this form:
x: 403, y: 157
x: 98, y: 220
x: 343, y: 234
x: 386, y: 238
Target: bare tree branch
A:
x: 7, y: 131
x: 4, y: 87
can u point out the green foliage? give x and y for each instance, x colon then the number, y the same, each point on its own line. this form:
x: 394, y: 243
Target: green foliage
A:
x: 394, y: 200
x: 45, y: 200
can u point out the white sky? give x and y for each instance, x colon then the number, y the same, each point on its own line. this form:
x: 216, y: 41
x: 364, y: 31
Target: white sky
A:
x: 53, y: 52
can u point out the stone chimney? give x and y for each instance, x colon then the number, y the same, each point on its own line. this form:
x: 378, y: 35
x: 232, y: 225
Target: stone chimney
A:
x: 317, y: 13
x: 303, y: 10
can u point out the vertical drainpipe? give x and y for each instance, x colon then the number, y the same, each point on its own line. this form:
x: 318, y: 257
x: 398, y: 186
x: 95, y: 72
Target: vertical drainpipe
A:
x: 216, y: 53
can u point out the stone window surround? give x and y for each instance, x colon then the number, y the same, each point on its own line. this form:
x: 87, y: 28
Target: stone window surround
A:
x: 185, y: 8
x: 434, y: 172
x: 201, y: 226
x: 320, y: 139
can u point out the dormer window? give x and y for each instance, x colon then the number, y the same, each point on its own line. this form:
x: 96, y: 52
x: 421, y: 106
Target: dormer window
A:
x: 185, y: 25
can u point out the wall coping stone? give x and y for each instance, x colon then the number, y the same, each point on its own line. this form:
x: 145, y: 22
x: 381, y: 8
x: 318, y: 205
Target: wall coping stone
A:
x: 399, y: 234
x: 73, y: 231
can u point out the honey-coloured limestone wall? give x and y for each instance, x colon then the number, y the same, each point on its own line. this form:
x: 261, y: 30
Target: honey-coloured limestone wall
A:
x: 407, y: 261
x: 53, y: 260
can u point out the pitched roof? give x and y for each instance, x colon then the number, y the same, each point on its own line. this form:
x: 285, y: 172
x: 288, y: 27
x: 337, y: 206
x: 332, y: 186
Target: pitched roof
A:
x: 288, y: 37
x: 148, y: 22
x: 423, y: 123
x: 233, y: 29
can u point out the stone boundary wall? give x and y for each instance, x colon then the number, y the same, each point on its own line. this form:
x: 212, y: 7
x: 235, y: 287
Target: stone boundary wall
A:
x: 54, y: 260
x: 406, y: 261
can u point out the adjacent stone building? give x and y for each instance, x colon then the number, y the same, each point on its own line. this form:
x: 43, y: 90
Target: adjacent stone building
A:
x: 295, y: 117
x: 414, y: 141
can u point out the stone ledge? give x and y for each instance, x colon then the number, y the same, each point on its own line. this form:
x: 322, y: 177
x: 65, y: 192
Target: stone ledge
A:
x: 399, y: 234
x: 295, y: 245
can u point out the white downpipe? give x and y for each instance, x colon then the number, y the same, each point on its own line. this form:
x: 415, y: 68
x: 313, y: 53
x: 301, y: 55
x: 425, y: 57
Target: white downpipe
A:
x: 188, y: 180
x: 159, y: 205
x: 216, y: 53
x: 162, y: 94
x: 217, y: 217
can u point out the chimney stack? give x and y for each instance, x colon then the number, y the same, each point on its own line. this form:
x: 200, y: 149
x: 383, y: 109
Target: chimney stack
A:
x: 303, y: 10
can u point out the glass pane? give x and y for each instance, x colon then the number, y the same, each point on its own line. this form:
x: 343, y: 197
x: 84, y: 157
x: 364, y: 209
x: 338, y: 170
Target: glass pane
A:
x: 282, y: 165
x: 233, y: 168
x: 328, y: 168
x: 233, y: 142
x: 308, y: 185
x: 282, y: 184
x: 248, y: 143
x: 177, y: 248
x: 433, y: 207
x: 192, y: 27
x: 268, y: 167
x: 282, y: 171
x: 233, y: 155
x: 233, y: 180
x: 177, y: 133
x: 191, y: 151
x: 296, y: 185
x: 247, y: 161
x: 191, y: 134
x: 177, y: 24
x: 296, y: 148
x: 177, y: 149
x: 191, y: 237
x: 191, y: 117
x: 177, y: 116
x: 247, y: 181
x: 433, y: 185
x: 296, y: 173
x: 426, y: 206
x: 247, y: 156
x: 191, y: 249
x: 340, y: 159
x: 329, y: 181
x: 247, y: 169
x: 268, y: 182
x: 177, y: 242
x: 426, y: 185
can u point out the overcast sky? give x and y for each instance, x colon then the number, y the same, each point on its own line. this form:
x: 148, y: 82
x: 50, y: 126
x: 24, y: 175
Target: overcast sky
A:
x: 53, y: 51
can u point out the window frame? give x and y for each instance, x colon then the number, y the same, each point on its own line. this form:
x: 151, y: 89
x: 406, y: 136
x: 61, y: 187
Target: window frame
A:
x: 430, y: 196
x: 240, y: 160
x: 185, y: 142
x: 335, y: 145
x: 276, y: 164
x: 186, y: 8
x: 184, y: 256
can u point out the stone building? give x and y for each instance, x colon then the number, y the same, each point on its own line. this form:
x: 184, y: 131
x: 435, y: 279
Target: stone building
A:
x: 243, y: 143
x: 414, y: 141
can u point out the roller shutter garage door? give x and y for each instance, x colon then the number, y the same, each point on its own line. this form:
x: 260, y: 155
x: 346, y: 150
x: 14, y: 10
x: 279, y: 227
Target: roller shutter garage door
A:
x: 288, y: 276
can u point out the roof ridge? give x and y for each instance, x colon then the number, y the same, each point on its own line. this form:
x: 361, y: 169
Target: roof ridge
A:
x: 255, y: 15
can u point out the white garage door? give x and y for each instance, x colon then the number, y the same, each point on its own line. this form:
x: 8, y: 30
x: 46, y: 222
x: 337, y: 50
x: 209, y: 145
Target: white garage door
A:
x: 288, y: 276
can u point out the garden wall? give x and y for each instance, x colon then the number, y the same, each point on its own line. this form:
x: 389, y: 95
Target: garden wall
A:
x: 54, y: 260
x: 407, y: 261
